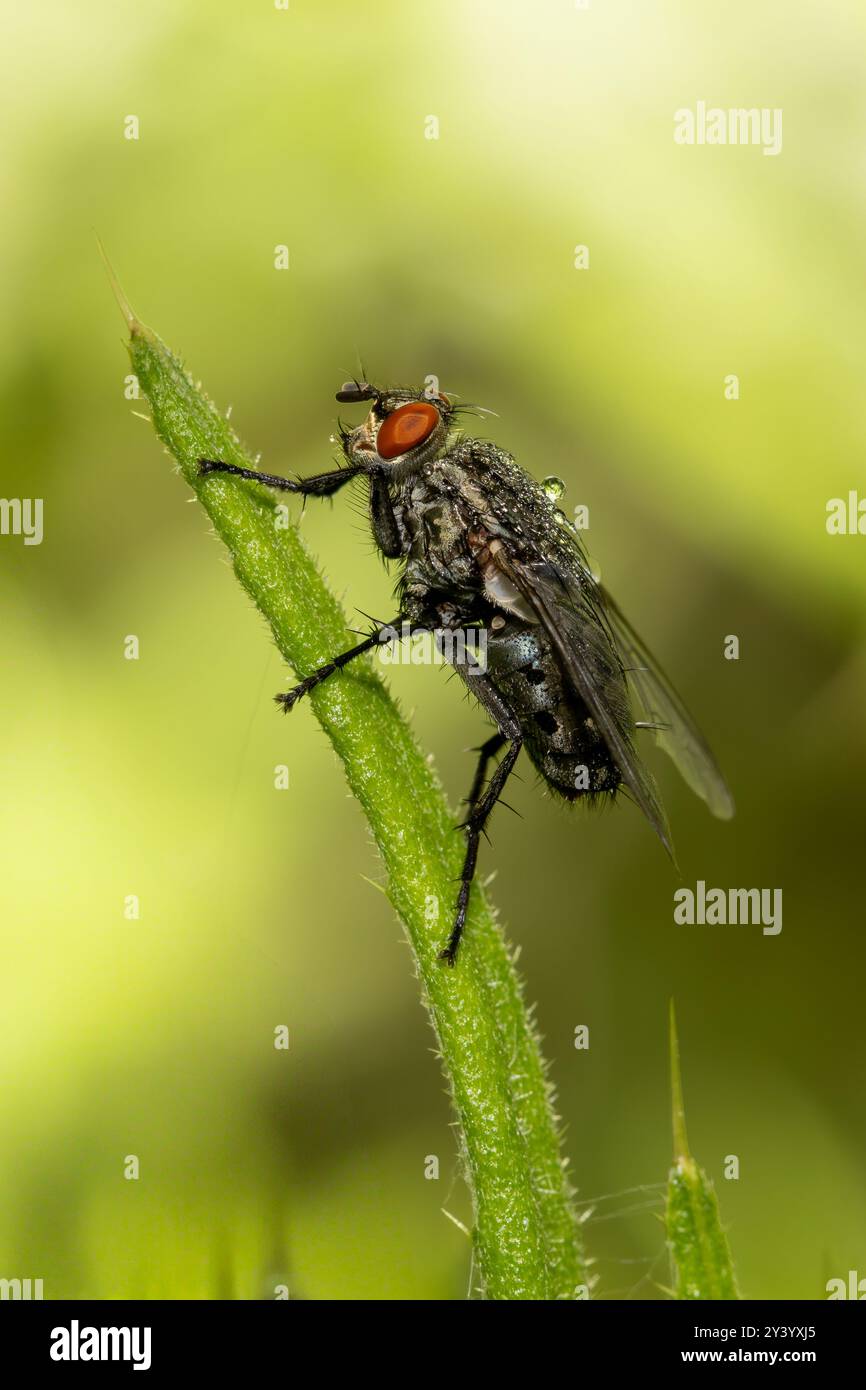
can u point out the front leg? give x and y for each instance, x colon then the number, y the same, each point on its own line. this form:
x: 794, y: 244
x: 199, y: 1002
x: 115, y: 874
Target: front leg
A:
x: 321, y: 485
x: 387, y: 633
x: 386, y: 531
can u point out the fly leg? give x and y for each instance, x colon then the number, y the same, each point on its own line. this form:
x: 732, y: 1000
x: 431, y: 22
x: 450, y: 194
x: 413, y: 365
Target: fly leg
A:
x: 321, y: 485
x: 488, y: 750
x: 480, y: 806
x: 379, y: 635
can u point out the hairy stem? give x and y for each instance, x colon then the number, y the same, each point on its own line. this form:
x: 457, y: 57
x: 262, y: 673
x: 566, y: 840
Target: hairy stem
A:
x: 698, y: 1243
x: 526, y: 1236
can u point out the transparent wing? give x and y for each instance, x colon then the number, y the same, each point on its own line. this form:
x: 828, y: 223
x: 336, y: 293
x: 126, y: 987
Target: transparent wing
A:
x: 568, y: 607
x: 677, y: 732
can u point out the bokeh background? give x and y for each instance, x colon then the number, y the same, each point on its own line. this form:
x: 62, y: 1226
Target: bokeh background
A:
x: 455, y: 256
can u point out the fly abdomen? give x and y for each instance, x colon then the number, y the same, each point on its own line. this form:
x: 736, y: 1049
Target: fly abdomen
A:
x: 559, y: 733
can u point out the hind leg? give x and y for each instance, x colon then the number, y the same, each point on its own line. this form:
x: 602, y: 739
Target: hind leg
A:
x: 481, y: 806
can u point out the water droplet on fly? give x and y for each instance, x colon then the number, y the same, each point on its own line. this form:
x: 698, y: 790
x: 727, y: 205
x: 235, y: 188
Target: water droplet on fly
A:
x: 553, y: 488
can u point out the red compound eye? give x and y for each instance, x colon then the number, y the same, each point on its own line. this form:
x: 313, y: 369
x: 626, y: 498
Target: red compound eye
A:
x: 406, y: 427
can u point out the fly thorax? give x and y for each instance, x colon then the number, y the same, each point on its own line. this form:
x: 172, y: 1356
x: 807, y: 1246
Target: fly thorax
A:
x: 436, y: 528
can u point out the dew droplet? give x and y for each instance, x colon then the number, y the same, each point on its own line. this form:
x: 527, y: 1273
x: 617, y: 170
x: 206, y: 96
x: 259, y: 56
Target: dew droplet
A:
x: 553, y: 488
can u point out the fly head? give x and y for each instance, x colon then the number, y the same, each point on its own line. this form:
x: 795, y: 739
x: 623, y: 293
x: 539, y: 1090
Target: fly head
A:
x: 403, y: 430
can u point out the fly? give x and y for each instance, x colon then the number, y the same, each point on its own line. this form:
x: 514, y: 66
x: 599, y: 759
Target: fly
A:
x: 483, y: 547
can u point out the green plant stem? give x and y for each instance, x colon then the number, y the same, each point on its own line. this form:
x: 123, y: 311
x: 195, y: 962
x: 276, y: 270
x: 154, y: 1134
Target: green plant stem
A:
x: 699, y: 1246
x: 526, y: 1236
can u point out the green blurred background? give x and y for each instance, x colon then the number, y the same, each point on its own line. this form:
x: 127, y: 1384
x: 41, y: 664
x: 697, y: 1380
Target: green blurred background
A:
x: 454, y: 256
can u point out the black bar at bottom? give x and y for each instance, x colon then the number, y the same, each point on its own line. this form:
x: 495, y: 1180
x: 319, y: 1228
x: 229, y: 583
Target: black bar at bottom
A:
x: 154, y: 1338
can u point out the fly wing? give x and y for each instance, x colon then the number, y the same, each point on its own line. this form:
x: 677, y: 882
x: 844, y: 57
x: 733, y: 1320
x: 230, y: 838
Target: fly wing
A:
x: 678, y: 734
x: 568, y: 604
